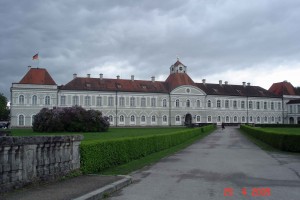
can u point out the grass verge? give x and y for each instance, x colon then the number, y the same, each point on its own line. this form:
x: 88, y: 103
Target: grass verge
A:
x: 151, y: 159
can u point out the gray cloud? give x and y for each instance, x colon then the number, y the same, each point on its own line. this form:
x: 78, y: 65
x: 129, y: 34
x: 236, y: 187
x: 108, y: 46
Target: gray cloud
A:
x: 144, y: 37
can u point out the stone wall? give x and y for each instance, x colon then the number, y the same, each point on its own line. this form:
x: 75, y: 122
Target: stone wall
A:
x: 24, y: 160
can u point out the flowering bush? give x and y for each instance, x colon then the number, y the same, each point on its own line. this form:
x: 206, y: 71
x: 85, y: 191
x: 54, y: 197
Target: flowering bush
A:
x: 72, y: 119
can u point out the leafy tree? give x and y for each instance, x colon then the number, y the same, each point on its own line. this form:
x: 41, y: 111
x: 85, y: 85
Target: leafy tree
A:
x: 4, y: 111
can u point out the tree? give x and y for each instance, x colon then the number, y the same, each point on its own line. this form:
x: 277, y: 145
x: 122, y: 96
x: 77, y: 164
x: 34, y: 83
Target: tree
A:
x: 4, y: 111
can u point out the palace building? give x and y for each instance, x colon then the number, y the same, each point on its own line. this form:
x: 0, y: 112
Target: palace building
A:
x: 176, y: 101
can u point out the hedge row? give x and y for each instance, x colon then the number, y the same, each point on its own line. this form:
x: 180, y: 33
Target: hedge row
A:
x: 278, y: 125
x: 97, y: 156
x: 284, y: 142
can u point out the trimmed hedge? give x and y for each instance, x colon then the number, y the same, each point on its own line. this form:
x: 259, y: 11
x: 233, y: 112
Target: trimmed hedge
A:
x: 97, y: 156
x: 278, y: 125
x: 284, y: 142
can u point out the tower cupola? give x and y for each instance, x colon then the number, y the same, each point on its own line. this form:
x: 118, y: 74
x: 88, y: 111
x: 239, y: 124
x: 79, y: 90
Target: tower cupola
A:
x: 178, y: 67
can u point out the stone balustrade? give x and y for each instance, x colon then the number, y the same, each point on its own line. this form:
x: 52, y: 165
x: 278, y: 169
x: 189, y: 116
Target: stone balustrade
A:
x: 24, y: 160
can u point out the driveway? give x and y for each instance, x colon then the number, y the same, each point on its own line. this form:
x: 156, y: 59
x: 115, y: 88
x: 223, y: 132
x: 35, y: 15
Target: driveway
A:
x: 224, y: 165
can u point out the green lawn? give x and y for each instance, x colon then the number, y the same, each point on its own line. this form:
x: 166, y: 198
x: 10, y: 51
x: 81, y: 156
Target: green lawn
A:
x: 113, y: 133
x: 294, y: 131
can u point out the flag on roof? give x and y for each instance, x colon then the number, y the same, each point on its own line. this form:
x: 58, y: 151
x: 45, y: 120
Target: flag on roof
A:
x: 35, y: 57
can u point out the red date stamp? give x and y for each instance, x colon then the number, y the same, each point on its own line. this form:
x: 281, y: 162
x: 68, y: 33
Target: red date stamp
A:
x: 254, y: 192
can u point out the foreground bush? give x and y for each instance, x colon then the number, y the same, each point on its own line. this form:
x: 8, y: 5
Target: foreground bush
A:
x: 97, y: 156
x: 284, y: 142
x: 72, y: 119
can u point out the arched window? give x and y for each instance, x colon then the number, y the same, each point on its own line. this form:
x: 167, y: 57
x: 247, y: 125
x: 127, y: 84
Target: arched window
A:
x: 209, y: 103
x: 21, y: 99
x: 219, y: 118
x: 227, y: 119
x: 177, y: 103
x: 122, y: 119
x: 218, y: 103
x: 34, y: 100
x: 132, y: 118
x: 143, y: 118
x: 208, y: 119
x: 111, y: 118
x: 177, y: 118
x: 266, y: 119
x: 165, y: 119
x: 21, y: 120
x: 235, y: 119
x: 198, y: 118
x: 188, y: 103
x: 258, y: 119
x: 165, y: 103
x: 251, y: 119
x: 47, y: 100
x: 243, y: 119
x: 153, y: 118
x: 198, y: 103
x: 32, y: 119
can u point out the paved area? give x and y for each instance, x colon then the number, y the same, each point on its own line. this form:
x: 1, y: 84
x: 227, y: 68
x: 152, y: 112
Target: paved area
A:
x: 225, y: 161
x: 81, y: 187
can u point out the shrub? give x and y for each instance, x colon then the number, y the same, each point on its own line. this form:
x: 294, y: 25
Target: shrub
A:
x: 285, y: 142
x: 100, y: 155
x: 72, y: 119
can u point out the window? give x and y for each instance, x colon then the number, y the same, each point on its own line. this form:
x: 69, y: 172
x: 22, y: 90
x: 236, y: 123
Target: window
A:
x: 177, y: 118
x: 272, y: 105
x: 266, y: 119
x: 99, y: 101
x: 87, y: 100
x: 132, y: 118
x: 226, y: 103
x: 122, y: 101
x: 234, y: 104
x: 198, y: 118
x: 132, y: 101
x: 165, y: 119
x: 227, y: 119
x: 47, y: 100
x: 235, y: 119
x: 279, y: 119
x: 122, y: 119
x: 143, y: 118
x: 110, y: 101
x: 218, y: 103
x: 32, y: 119
x: 34, y: 100
x: 198, y: 103
x: 209, y: 103
x: 298, y: 106
x: 279, y: 105
x: 208, y: 118
x: 219, y: 119
x: 243, y: 104
x: 188, y: 103
x: 243, y: 119
x: 143, y: 102
x: 258, y: 119
x: 111, y: 118
x: 265, y: 105
x: 153, y: 118
x: 177, y: 103
x: 63, y: 100
x: 75, y: 100
x: 291, y: 109
x: 250, y: 104
x: 21, y: 99
x: 257, y: 105
x: 153, y: 102
x: 165, y: 103
x: 251, y: 119
x: 273, y: 119
x: 21, y: 120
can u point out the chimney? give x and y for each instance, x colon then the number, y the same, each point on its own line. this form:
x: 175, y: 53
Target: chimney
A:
x: 226, y: 82
x: 118, y: 77
x: 88, y: 75
x: 74, y: 75
x: 244, y: 84
x: 101, y: 76
x: 29, y: 67
x: 203, y: 81
x: 248, y: 84
x: 220, y: 82
x: 153, y: 79
x: 132, y: 77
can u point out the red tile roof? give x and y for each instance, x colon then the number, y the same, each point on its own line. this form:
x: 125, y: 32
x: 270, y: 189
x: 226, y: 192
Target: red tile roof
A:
x: 178, y: 79
x: 281, y: 88
x: 37, y: 76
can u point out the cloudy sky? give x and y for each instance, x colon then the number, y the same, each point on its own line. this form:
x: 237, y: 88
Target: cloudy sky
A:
x: 255, y: 41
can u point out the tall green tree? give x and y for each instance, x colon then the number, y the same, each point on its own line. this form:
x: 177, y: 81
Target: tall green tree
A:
x: 4, y: 111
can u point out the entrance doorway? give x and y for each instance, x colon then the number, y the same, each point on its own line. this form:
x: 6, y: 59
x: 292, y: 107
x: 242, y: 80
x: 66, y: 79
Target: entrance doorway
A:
x: 188, y: 120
